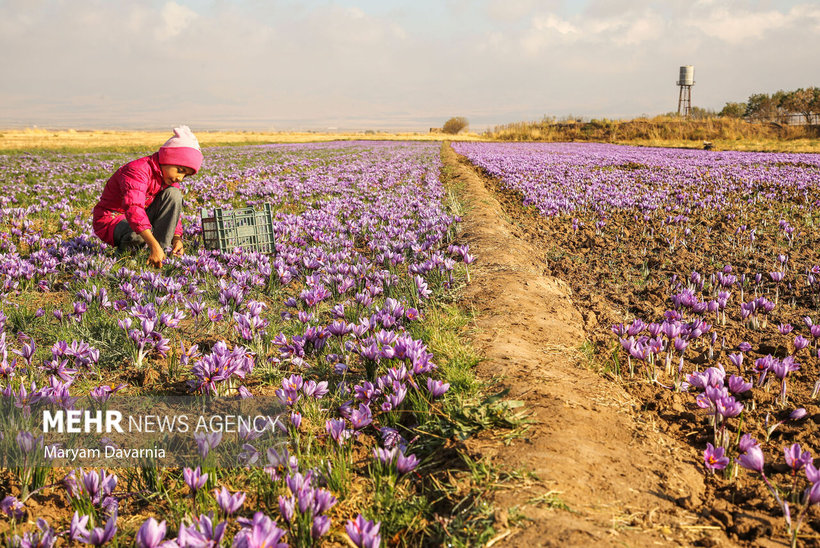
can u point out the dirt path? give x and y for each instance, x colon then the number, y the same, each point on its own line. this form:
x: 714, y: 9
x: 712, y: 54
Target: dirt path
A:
x: 624, y: 483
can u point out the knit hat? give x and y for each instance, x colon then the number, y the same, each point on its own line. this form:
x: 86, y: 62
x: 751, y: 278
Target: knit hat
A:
x: 181, y: 150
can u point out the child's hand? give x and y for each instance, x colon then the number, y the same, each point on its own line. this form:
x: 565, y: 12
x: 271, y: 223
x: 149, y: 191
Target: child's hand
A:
x: 177, y: 249
x: 156, y: 257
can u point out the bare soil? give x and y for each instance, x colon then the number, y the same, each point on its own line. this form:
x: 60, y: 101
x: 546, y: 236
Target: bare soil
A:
x: 605, y: 475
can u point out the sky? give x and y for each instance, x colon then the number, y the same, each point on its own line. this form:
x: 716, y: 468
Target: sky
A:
x: 390, y: 65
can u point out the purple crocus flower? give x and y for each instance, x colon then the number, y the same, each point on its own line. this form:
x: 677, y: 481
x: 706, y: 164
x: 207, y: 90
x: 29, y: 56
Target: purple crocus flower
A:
x: 714, y: 458
x: 91, y: 484
x: 728, y: 407
x: 746, y: 442
x: 744, y: 347
x: 738, y: 385
x: 27, y: 442
x: 288, y: 396
x: 337, y: 431
x: 406, y: 463
x: 287, y: 507
x: 385, y: 456
x: 13, y: 508
x: 800, y: 343
x: 78, y: 528
x: 206, y: 442
x: 361, y: 417
x: 391, y: 438
x: 320, y: 527
x: 812, y: 473
x: 227, y: 502
x: 421, y: 287
x: 363, y: 533
x: 99, y: 486
x: 101, y: 394
x: 46, y: 537
x: 194, y: 479
x: 323, y: 500
x: 795, y: 458
x: 202, y: 533
x: 798, y: 414
x: 437, y: 388
x: 99, y: 536
x: 752, y: 459
x: 315, y: 389
x: 260, y: 532
x: 152, y: 534
x: 813, y: 494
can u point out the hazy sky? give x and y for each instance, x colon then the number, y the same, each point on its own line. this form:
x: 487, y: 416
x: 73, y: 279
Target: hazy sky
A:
x: 388, y: 64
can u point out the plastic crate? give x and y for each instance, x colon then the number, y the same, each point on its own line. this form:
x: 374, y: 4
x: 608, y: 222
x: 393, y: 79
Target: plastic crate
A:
x: 247, y: 228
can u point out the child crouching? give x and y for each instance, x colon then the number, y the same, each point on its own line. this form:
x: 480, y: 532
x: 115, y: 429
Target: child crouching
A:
x: 141, y: 203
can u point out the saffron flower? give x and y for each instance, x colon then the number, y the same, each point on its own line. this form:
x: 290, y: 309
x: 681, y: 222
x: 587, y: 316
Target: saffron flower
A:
x: 406, y: 463
x: 812, y: 473
x: 78, y: 529
x: 813, y: 494
x: 13, y: 508
x: 337, y: 431
x: 798, y: 413
x: 202, y: 532
x: 800, y: 343
x: 227, y: 502
x: 261, y: 531
x: 437, y: 388
x: 746, y: 442
x: 714, y: 458
x: 797, y: 459
x: 363, y: 533
x: 320, y: 527
x: 152, y: 534
x: 194, y: 479
x: 752, y: 459
x: 99, y: 536
x: 361, y: 417
x: 737, y: 385
x: 206, y: 442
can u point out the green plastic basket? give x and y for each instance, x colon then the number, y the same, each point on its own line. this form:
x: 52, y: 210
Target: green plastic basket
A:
x: 247, y: 228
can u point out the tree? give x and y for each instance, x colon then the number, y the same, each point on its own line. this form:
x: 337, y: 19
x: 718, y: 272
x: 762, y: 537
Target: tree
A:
x: 815, y: 103
x: 761, y: 107
x: 455, y: 124
x: 698, y: 113
x: 779, y: 100
x: 733, y: 110
x: 801, y: 102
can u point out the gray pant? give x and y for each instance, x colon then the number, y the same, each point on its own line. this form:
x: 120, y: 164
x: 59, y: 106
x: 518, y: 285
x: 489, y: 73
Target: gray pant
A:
x: 163, y: 214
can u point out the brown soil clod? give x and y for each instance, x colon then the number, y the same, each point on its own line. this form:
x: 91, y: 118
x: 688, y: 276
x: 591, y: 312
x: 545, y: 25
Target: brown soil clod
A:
x: 618, y: 478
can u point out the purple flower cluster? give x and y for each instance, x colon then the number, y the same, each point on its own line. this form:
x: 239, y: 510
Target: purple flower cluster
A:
x: 363, y: 242
x: 303, y: 510
x: 215, y: 372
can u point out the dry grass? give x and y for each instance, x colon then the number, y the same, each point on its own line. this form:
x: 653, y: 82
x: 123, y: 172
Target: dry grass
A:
x: 724, y: 134
x: 658, y: 132
x: 746, y: 145
x: 28, y: 139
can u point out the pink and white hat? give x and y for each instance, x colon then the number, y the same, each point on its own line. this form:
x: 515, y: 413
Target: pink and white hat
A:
x: 181, y: 150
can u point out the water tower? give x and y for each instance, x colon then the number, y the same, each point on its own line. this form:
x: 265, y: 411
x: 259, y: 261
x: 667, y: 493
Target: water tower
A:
x: 686, y: 81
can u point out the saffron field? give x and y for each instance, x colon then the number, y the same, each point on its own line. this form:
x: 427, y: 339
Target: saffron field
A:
x: 696, y: 272
x: 700, y: 279
x: 346, y: 329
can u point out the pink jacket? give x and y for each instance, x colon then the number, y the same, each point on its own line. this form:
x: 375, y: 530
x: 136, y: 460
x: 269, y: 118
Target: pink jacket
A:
x: 126, y: 195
